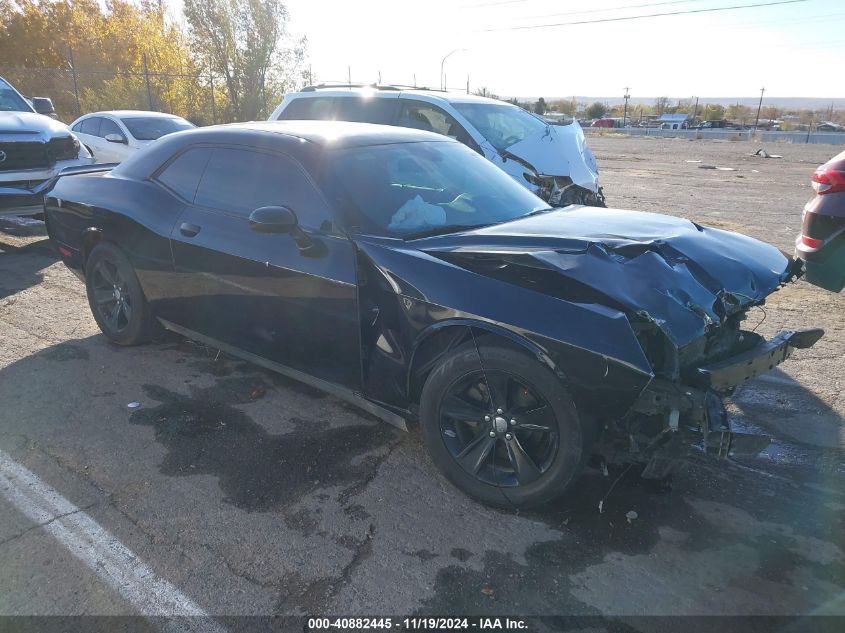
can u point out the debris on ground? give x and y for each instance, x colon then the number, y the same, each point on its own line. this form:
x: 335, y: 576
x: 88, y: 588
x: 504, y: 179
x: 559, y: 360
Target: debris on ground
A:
x: 133, y: 405
x: 632, y: 516
x: 717, y: 167
x: 692, y: 161
x: 764, y: 154
x: 487, y: 590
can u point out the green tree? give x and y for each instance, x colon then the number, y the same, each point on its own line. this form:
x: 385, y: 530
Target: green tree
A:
x: 713, y: 112
x: 108, y: 44
x: 739, y: 113
x: 540, y: 107
x: 596, y: 111
x: 247, y: 44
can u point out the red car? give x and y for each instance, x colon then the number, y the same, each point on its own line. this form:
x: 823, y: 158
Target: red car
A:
x: 821, y: 244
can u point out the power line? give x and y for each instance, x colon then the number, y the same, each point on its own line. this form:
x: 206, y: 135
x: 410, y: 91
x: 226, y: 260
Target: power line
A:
x: 493, y: 4
x: 618, y: 8
x: 642, y: 17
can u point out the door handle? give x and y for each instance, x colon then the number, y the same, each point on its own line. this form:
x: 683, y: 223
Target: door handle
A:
x: 189, y: 230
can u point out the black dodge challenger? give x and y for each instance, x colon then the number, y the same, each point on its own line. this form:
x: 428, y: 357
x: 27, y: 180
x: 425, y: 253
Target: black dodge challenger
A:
x: 400, y: 270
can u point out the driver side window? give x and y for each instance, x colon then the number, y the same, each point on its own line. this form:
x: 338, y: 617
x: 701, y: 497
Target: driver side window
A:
x: 237, y: 181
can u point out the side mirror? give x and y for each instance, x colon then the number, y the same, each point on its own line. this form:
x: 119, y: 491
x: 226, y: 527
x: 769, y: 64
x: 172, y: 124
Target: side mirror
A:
x: 283, y: 220
x: 115, y: 138
x: 273, y: 220
x: 43, y: 105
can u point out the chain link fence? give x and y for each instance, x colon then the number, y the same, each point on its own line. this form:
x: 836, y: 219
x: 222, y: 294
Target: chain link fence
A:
x: 200, y: 98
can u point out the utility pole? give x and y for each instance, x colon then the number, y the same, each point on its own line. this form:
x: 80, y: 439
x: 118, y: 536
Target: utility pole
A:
x: 211, y: 86
x: 625, y: 113
x: 759, y: 106
x: 75, y: 86
x: 468, y: 88
x: 695, y: 111
x: 147, y: 81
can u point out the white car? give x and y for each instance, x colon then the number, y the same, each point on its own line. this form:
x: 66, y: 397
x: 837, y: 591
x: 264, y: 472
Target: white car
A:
x: 114, y: 135
x: 553, y: 161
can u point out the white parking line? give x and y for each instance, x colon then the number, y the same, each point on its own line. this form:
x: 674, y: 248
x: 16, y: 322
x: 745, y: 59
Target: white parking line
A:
x: 114, y: 563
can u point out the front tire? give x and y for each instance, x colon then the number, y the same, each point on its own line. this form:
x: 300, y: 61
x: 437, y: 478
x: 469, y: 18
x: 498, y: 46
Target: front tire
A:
x: 115, y: 297
x: 507, y: 434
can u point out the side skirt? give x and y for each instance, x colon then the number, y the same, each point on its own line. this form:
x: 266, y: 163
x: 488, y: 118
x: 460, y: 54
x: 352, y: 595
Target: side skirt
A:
x: 342, y: 393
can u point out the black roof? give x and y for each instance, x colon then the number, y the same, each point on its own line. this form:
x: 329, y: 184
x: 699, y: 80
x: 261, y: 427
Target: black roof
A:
x: 304, y: 140
x: 334, y: 134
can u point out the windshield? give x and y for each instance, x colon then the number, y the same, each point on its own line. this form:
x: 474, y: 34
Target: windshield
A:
x: 151, y: 128
x: 502, y: 124
x: 11, y: 101
x: 410, y: 189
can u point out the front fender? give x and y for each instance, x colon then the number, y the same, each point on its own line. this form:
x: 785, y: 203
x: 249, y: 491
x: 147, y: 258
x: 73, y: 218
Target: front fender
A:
x: 592, y: 345
x: 473, y: 326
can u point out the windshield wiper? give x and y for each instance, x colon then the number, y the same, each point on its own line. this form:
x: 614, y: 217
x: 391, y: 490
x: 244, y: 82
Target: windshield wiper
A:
x: 443, y: 230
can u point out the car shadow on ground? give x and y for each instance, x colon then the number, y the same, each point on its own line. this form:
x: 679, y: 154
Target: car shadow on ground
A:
x: 729, y: 537
x: 31, y: 255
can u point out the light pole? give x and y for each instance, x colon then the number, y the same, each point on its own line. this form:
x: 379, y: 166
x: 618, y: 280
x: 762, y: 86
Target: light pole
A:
x: 625, y: 113
x: 443, y: 61
x: 759, y: 105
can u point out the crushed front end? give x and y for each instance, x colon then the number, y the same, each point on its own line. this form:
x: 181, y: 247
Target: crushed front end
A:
x: 682, y: 408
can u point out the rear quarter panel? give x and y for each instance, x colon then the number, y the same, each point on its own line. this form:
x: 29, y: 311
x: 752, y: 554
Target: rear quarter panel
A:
x: 136, y: 215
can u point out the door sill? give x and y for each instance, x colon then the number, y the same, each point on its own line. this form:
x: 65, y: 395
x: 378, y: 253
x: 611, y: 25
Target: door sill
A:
x: 334, y: 389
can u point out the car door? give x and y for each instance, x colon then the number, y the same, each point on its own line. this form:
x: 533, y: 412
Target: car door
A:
x: 88, y: 130
x: 264, y: 293
x: 113, y: 151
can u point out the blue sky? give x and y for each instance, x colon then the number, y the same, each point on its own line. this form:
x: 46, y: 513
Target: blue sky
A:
x: 791, y: 50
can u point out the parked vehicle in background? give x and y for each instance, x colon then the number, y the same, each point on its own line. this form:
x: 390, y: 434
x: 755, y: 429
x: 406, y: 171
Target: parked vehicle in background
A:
x: 606, y: 123
x: 115, y: 135
x: 715, y: 124
x: 821, y: 243
x: 403, y: 272
x: 33, y: 149
x: 43, y: 105
x: 552, y: 161
x: 828, y: 126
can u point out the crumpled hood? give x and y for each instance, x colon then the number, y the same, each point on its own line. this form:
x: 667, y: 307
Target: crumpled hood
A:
x: 683, y: 277
x: 30, y: 126
x: 560, y: 151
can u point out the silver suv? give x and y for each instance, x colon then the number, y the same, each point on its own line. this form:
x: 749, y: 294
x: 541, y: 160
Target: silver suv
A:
x: 553, y: 161
x: 33, y: 149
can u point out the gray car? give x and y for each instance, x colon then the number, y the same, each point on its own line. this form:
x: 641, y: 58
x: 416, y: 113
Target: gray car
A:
x: 34, y: 149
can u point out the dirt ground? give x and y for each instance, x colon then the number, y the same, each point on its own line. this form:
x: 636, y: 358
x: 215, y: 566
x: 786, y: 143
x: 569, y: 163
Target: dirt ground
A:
x: 255, y: 495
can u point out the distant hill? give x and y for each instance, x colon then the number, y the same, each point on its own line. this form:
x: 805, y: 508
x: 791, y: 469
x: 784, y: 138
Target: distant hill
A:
x: 797, y: 103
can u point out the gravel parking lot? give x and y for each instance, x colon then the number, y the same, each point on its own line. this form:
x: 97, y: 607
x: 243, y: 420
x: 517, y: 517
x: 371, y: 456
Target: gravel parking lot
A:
x: 254, y: 495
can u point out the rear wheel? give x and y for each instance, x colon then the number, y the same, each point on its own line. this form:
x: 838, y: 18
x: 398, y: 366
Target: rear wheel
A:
x: 507, y: 434
x: 115, y: 296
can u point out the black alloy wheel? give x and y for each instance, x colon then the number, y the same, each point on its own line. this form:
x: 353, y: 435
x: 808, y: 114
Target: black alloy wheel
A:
x: 504, y: 430
x: 112, y: 300
x: 115, y: 296
x: 508, y: 438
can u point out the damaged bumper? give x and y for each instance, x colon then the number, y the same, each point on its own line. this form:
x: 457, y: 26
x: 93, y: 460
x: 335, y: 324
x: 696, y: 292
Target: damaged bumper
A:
x: 766, y: 355
x: 694, y: 414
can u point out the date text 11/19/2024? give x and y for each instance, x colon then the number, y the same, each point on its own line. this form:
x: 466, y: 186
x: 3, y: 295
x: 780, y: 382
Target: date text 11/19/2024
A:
x: 417, y: 624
